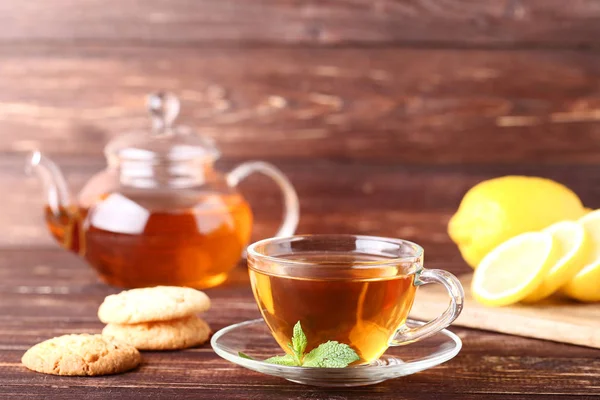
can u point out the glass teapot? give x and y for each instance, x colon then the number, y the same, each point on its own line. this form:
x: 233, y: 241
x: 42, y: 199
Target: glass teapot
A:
x: 159, y: 214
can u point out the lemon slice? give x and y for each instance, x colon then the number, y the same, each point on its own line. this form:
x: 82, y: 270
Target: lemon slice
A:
x: 585, y: 285
x: 574, y: 247
x: 514, y: 269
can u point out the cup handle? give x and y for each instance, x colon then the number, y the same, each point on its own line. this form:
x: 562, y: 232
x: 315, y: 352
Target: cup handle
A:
x: 406, y: 335
x: 290, y: 198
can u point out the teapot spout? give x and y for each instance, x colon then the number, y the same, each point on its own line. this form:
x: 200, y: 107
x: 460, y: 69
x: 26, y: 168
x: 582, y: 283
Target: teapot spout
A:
x: 59, y: 211
x: 57, y: 194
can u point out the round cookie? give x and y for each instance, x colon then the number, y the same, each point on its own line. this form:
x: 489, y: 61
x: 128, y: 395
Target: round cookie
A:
x: 161, y: 335
x: 160, y: 303
x: 81, y: 355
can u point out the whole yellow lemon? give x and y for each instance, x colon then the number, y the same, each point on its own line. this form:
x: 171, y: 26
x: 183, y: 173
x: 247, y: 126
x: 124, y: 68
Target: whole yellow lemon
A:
x: 495, y: 210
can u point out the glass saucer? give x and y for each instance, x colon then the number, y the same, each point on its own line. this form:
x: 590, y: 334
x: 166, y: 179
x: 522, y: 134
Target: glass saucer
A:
x: 254, y: 339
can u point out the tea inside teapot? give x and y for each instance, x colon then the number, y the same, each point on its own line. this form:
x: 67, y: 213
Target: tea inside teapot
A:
x: 137, y: 239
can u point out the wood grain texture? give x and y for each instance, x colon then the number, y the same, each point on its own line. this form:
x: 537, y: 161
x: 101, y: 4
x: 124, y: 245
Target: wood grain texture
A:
x: 556, y: 319
x: 523, y: 23
x: 202, y: 391
x: 52, y: 293
x: 380, y: 105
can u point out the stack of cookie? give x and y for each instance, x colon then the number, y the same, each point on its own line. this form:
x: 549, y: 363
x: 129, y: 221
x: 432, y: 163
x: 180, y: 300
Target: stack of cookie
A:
x: 158, y: 318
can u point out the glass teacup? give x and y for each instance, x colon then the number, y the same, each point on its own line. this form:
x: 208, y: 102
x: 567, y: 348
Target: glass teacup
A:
x: 357, y: 290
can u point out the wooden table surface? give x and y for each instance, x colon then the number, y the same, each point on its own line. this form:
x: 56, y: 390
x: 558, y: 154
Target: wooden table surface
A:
x: 49, y: 293
x: 382, y: 113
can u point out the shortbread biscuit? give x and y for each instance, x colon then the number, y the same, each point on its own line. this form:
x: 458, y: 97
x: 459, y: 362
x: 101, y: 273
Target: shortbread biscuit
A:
x: 161, y: 335
x: 81, y: 355
x: 160, y: 303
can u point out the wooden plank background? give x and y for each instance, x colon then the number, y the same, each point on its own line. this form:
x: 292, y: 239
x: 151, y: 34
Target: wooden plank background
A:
x: 383, y: 113
x: 392, y: 105
x: 510, y: 23
x: 395, y: 130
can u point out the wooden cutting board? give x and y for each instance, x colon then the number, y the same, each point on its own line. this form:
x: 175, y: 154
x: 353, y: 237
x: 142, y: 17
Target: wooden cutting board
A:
x: 554, y: 319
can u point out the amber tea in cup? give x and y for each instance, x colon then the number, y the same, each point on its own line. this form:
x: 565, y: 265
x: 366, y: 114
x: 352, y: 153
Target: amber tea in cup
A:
x: 363, y: 312
x: 357, y: 290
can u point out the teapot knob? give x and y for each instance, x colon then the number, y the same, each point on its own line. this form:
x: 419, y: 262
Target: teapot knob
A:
x: 163, y: 108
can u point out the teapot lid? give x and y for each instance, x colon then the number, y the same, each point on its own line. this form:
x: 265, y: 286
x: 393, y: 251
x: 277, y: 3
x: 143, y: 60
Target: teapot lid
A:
x: 164, y: 142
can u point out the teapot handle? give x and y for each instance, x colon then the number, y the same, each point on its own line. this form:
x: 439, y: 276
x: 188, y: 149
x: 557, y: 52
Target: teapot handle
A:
x: 290, y: 198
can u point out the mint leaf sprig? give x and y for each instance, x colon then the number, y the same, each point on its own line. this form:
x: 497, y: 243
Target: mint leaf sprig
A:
x: 331, y: 354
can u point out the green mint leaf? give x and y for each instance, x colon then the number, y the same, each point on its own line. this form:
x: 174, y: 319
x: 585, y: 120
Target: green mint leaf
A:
x: 243, y: 355
x: 299, y: 342
x: 288, y: 360
x: 330, y: 355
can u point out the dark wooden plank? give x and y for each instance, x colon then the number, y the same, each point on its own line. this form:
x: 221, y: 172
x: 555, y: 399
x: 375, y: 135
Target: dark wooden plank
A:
x: 76, y: 393
x: 412, y: 202
x: 385, y: 105
x: 199, y: 369
x: 490, y: 365
x: 445, y: 23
